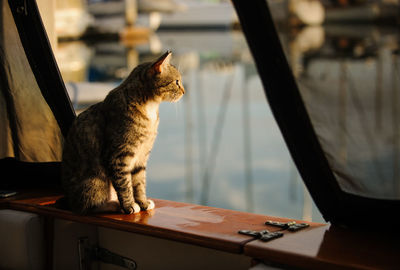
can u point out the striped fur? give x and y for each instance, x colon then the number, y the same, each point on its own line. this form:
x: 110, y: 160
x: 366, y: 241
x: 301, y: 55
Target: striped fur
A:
x: 107, y: 148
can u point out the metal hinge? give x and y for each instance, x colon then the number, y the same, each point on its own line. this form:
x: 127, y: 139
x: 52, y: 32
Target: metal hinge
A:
x: 290, y: 226
x: 89, y: 253
x: 263, y: 235
x: 266, y: 235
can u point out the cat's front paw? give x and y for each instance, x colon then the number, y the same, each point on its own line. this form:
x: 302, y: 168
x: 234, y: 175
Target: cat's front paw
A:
x: 147, y: 205
x: 150, y: 205
x: 136, y: 208
x: 131, y: 209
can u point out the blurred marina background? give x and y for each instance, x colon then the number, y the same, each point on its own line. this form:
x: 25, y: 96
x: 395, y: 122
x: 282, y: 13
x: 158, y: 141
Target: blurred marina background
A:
x: 220, y: 145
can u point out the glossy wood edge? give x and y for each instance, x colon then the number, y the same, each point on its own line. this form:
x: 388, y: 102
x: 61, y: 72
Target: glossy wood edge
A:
x: 40, y: 205
x: 315, y: 247
x: 270, y: 254
x: 331, y: 247
x: 128, y: 227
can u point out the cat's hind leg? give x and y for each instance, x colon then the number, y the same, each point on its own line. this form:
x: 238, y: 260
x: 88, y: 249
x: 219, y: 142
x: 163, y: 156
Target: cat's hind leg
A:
x: 109, y: 206
x: 86, y: 195
x: 96, y: 197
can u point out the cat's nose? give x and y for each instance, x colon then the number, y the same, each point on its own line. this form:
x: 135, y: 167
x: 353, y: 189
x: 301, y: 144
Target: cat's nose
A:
x: 183, y: 90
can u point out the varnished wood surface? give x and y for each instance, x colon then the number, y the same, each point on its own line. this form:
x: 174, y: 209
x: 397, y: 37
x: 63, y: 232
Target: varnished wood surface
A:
x: 330, y: 247
x: 320, y: 246
x: 189, y: 223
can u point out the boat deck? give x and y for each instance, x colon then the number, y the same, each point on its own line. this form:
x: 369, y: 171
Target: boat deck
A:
x: 319, y: 245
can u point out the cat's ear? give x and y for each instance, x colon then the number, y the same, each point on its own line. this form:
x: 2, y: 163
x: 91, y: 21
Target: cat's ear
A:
x: 161, y: 63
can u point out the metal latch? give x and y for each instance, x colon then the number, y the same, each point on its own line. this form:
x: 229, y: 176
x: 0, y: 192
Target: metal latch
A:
x: 266, y: 235
x: 263, y: 235
x: 290, y: 226
x: 88, y: 254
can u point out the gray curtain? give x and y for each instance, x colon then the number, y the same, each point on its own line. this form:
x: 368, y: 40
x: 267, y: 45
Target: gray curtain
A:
x: 28, y: 129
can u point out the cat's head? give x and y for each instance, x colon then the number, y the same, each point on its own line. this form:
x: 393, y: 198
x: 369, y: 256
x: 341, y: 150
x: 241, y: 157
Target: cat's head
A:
x: 166, y: 79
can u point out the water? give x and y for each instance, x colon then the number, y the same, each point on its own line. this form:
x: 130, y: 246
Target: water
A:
x: 220, y: 145
x: 351, y: 88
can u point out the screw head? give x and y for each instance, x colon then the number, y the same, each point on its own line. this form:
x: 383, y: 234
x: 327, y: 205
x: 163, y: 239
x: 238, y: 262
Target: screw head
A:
x: 20, y: 9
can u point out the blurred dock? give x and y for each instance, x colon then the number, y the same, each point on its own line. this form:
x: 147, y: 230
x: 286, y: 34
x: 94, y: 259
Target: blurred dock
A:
x: 77, y: 18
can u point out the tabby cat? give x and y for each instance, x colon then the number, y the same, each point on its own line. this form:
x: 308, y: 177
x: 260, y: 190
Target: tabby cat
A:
x: 107, y: 148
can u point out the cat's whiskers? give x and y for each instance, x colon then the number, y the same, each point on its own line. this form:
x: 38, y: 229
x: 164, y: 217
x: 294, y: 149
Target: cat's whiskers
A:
x: 177, y: 106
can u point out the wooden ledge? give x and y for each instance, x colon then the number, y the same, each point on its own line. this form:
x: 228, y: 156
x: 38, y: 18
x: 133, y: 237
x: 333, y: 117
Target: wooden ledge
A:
x: 200, y: 225
x: 320, y: 246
